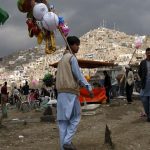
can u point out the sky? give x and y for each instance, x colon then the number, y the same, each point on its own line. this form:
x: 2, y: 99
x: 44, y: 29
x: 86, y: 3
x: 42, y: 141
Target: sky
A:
x: 129, y: 16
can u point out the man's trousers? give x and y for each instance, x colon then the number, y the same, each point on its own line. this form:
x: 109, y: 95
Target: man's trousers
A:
x: 146, y: 105
x: 67, y: 129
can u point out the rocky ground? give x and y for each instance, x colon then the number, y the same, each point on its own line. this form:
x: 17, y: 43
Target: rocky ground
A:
x: 129, y: 131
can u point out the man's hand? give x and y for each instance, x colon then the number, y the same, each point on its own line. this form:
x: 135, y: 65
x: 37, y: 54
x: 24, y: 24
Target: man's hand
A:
x: 91, y: 94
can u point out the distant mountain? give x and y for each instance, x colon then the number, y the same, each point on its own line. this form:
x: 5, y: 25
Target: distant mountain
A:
x: 110, y: 45
x: 100, y: 44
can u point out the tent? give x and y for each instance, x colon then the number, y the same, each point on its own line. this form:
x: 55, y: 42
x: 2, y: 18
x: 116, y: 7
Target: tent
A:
x: 99, y: 92
x: 3, y: 16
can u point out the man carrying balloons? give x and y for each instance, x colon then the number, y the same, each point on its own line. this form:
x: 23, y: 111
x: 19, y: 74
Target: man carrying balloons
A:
x: 68, y: 80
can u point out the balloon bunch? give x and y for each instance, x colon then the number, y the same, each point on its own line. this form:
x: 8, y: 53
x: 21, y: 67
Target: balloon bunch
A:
x: 42, y: 21
x: 138, y: 42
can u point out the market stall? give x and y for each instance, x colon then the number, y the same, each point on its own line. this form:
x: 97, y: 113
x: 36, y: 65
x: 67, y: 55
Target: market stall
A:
x: 99, y: 92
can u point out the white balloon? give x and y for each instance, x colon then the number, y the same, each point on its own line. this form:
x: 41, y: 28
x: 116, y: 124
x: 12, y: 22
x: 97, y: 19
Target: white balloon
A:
x: 39, y: 24
x: 39, y: 11
x: 50, y: 21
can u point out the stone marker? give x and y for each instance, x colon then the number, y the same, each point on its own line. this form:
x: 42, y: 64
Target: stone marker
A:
x: 108, y: 139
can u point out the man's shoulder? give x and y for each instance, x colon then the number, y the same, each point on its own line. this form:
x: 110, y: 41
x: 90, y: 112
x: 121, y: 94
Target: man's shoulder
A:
x: 3, y: 87
x: 66, y: 56
x: 143, y: 61
x: 69, y: 55
x: 25, y: 86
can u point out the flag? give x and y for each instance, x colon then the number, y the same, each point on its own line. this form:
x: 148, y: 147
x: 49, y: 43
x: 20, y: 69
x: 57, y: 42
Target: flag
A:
x: 3, y: 16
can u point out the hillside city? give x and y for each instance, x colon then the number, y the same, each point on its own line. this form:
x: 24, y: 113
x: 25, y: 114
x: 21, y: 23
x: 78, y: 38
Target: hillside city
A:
x: 101, y: 44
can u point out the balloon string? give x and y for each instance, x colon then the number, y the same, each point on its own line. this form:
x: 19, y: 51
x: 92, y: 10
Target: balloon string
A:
x: 132, y: 56
x: 65, y: 40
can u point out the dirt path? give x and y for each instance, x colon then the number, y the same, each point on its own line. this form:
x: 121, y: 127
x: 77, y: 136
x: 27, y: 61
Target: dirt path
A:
x: 129, y: 131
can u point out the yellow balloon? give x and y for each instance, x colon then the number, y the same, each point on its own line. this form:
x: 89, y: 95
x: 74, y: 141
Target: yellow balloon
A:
x: 87, y: 78
x: 50, y: 46
x: 40, y: 38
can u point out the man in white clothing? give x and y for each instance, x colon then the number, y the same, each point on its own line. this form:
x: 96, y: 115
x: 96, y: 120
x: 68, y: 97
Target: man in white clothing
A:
x: 68, y: 81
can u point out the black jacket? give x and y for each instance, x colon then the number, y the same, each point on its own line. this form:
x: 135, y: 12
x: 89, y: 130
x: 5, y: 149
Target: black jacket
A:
x: 25, y: 89
x: 143, y: 73
x: 107, y: 82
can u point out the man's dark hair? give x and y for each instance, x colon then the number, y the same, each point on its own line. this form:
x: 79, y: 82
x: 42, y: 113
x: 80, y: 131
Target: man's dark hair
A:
x: 105, y: 72
x: 148, y: 49
x: 5, y: 83
x: 73, y: 40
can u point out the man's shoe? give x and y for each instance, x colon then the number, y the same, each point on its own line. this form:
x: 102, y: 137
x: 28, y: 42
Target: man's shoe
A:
x: 69, y: 147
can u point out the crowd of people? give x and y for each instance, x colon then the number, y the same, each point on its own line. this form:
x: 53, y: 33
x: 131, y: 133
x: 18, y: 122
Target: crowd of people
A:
x: 139, y: 82
x: 127, y: 82
x: 24, y: 94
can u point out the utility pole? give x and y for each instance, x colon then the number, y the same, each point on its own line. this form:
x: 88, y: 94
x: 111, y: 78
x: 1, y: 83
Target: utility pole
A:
x: 103, y: 23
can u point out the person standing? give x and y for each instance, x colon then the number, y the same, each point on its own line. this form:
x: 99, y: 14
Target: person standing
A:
x: 25, y: 90
x: 107, y: 85
x: 144, y: 73
x: 129, y: 82
x: 68, y: 80
x: 121, y: 82
x: 4, y: 100
x: 15, y: 95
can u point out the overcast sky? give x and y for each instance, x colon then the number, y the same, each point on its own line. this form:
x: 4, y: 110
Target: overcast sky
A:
x: 130, y: 16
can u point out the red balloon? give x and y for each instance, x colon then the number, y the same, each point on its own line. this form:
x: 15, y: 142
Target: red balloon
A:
x: 27, y: 5
x: 36, y: 30
x: 30, y: 33
x: 30, y: 23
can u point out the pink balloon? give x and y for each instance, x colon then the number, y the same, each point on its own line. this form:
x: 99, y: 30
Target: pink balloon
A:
x: 138, y: 43
x: 34, y: 82
x: 65, y: 29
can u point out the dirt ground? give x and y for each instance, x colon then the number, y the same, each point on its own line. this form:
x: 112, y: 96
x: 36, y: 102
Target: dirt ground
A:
x: 129, y: 130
